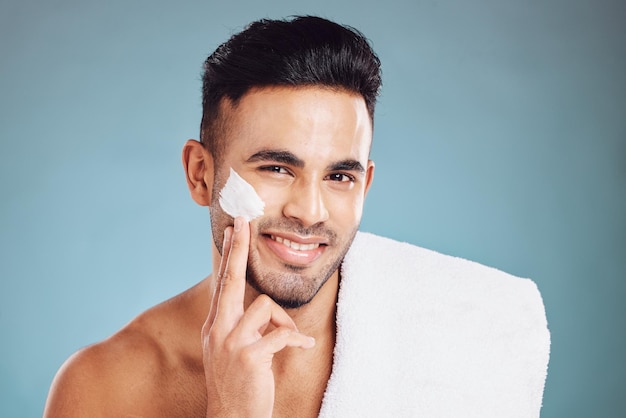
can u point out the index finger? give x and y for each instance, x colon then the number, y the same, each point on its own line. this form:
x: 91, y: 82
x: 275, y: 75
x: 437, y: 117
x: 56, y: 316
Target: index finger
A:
x: 228, y: 232
x: 232, y: 277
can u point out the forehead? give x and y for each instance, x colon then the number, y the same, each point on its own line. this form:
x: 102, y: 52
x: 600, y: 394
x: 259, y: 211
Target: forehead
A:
x: 311, y: 122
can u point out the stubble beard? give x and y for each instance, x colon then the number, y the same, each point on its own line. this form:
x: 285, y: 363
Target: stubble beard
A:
x: 293, y: 287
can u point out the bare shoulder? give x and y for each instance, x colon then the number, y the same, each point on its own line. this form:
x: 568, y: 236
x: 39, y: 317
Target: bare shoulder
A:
x: 107, y: 375
x: 141, y: 370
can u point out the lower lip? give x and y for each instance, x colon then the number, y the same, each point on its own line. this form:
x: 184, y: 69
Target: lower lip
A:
x: 296, y: 257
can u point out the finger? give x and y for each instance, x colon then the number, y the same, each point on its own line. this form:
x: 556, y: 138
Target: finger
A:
x: 281, y: 338
x: 218, y: 277
x: 262, y: 312
x: 230, y: 302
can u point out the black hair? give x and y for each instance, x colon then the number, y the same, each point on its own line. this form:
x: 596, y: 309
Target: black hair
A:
x: 302, y: 51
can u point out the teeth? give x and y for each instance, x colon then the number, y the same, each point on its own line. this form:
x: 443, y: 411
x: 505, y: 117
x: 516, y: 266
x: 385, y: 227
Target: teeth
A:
x: 295, y: 245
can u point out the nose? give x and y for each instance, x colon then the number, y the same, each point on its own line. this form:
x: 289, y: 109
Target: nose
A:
x: 306, y: 203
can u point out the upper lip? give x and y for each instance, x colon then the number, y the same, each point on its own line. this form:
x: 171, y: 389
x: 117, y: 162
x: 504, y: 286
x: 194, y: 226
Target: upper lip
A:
x: 311, y: 239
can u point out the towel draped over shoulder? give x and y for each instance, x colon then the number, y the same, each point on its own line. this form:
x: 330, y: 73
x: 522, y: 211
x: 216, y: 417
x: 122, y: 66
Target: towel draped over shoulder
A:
x: 422, y: 334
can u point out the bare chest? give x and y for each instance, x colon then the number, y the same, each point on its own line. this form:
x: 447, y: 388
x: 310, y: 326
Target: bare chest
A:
x: 185, y: 396
x: 298, y: 389
x: 181, y: 393
x: 300, y: 393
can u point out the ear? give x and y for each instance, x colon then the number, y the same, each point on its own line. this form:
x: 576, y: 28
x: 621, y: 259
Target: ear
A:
x: 198, y: 164
x: 369, y: 175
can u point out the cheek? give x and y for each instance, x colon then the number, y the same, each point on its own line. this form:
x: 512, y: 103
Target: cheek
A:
x: 348, y: 208
x: 273, y: 197
x: 344, y: 208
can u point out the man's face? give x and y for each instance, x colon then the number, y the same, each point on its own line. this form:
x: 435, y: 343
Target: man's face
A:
x: 305, y: 151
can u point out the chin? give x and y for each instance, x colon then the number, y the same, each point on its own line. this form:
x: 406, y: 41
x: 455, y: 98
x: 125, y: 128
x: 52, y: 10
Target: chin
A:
x: 290, y: 290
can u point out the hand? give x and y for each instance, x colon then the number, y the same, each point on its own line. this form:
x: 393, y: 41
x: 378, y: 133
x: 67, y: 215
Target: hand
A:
x: 237, y: 353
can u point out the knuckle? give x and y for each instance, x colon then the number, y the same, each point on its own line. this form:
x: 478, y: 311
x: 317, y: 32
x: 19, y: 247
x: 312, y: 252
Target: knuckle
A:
x: 247, y: 356
x: 211, y: 335
x: 230, y: 345
x: 226, y: 277
x: 210, y: 342
x: 283, y: 333
x: 236, y: 244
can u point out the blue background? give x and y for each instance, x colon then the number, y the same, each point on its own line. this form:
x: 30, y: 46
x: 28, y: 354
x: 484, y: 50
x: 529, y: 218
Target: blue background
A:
x: 500, y: 137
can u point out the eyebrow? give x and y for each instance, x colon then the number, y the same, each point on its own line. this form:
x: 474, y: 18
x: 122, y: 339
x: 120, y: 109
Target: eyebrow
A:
x: 346, y: 165
x: 289, y: 158
x: 279, y: 156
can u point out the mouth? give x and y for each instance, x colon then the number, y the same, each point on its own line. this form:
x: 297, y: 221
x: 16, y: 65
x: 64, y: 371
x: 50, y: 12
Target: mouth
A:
x: 294, y: 250
x: 295, y: 245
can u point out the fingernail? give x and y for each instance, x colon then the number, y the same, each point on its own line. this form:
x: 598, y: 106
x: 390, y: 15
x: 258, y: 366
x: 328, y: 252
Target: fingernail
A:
x: 310, y: 343
x: 238, y: 224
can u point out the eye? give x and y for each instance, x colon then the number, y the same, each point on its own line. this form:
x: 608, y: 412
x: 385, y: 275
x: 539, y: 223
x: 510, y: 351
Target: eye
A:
x: 274, y: 169
x: 340, y: 177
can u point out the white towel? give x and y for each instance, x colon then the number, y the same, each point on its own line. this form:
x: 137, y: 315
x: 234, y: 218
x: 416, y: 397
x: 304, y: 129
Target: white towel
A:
x: 421, y: 334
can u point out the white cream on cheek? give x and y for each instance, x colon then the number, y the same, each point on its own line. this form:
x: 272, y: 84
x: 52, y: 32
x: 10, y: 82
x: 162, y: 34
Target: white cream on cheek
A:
x: 238, y: 198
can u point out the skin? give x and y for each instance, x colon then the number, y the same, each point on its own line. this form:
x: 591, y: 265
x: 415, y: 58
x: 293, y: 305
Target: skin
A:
x: 234, y: 345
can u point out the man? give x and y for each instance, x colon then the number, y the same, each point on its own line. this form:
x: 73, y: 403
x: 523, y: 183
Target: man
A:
x: 301, y: 319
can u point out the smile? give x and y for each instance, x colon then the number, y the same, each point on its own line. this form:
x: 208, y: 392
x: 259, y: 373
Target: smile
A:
x: 294, y: 251
x: 295, y: 245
